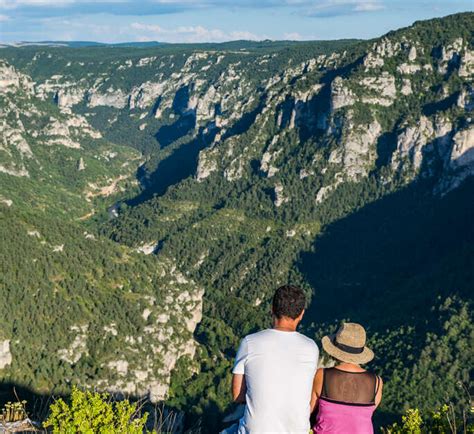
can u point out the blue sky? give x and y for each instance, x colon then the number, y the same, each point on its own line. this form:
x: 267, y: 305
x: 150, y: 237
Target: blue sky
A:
x: 212, y: 20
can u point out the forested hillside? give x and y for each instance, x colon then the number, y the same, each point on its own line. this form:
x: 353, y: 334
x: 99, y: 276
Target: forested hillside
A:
x: 143, y: 184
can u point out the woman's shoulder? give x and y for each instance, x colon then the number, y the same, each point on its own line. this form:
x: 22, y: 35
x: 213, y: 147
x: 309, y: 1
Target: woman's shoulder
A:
x: 375, y: 374
x: 318, y: 376
x: 377, y: 377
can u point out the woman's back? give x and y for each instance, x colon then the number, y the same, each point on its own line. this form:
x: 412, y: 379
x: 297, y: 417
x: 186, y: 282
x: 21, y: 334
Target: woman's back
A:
x: 347, y: 402
x: 349, y: 387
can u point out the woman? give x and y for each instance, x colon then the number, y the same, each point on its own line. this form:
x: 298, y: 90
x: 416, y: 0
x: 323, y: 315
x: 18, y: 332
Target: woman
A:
x: 346, y: 395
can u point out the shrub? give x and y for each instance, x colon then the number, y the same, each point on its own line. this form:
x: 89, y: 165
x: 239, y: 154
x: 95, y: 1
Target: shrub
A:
x: 440, y: 421
x: 95, y: 413
x: 411, y: 423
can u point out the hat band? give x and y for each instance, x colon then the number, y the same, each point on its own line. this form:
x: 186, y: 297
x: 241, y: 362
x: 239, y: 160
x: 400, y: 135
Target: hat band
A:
x: 348, y: 348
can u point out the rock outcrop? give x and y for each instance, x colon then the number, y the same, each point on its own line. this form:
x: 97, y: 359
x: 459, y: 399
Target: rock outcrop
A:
x: 341, y: 96
x: 410, y: 145
x: 383, y: 87
x: 462, y: 154
x: 69, y: 97
x: 164, y: 344
x: 5, y: 354
x: 359, y: 151
x: 112, y: 97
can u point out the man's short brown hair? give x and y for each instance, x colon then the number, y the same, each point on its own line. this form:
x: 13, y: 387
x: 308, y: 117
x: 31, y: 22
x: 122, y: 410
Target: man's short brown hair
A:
x: 288, y: 301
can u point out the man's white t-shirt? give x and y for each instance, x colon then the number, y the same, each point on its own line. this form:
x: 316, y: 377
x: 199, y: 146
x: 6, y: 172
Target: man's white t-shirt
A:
x: 279, y: 368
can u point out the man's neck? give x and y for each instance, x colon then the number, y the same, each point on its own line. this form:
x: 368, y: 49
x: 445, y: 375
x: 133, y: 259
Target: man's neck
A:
x: 285, y: 324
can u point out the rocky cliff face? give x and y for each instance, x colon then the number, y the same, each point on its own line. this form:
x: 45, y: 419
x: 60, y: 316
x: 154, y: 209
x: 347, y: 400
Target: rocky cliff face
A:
x: 58, y: 149
x: 351, y: 117
x: 131, y: 328
x: 327, y: 95
x: 148, y: 356
x: 35, y: 136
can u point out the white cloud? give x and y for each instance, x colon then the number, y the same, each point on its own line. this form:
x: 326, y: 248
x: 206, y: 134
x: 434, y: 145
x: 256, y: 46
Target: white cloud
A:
x: 4, y: 18
x: 293, y: 36
x: 48, y: 4
x: 369, y: 6
x: 10, y: 4
x: 186, y: 4
x: 147, y: 27
x: 188, y: 33
x: 243, y: 34
x: 330, y: 8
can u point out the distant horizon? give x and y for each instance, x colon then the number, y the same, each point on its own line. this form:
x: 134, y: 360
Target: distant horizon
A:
x: 78, y: 41
x: 211, y: 21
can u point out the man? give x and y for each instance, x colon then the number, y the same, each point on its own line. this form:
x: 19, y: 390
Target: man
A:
x: 274, y: 370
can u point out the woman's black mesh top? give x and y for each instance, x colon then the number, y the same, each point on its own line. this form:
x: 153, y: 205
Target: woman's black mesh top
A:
x: 358, y: 388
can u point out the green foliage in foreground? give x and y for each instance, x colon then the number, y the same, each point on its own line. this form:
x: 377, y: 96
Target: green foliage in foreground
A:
x: 89, y: 412
x: 95, y: 413
x: 440, y: 421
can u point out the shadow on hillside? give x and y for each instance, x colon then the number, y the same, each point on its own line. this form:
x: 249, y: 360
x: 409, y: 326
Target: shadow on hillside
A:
x: 167, y: 134
x: 243, y: 124
x: 181, y: 100
x: 314, y: 113
x: 385, y: 264
x: 183, y: 161
x: 442, y: 105
x: 386, y: 146
x: 178, y: 166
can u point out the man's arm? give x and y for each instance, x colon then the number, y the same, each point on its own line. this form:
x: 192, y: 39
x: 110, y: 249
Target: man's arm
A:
x: 239, y: 388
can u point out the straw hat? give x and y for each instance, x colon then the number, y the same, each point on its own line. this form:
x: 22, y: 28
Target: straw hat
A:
x: 348, y: 344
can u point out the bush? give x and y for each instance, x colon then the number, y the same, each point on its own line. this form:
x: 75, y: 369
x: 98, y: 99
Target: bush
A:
x: 95, y: 413
x: 440, y: 421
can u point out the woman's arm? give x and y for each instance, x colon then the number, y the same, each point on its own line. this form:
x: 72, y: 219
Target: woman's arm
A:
x: 317, y: 388
x: 378, y: 395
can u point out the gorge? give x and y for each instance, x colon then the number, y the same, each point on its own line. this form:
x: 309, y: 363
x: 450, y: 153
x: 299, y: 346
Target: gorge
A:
x: 341, y: 166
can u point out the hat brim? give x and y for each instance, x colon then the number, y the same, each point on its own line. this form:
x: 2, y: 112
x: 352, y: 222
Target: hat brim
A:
x: 364, y: 357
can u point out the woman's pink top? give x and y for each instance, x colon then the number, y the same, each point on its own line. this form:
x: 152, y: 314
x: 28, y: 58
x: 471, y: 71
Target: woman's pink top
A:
x: 347, y: 402
x: 343, y: 418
